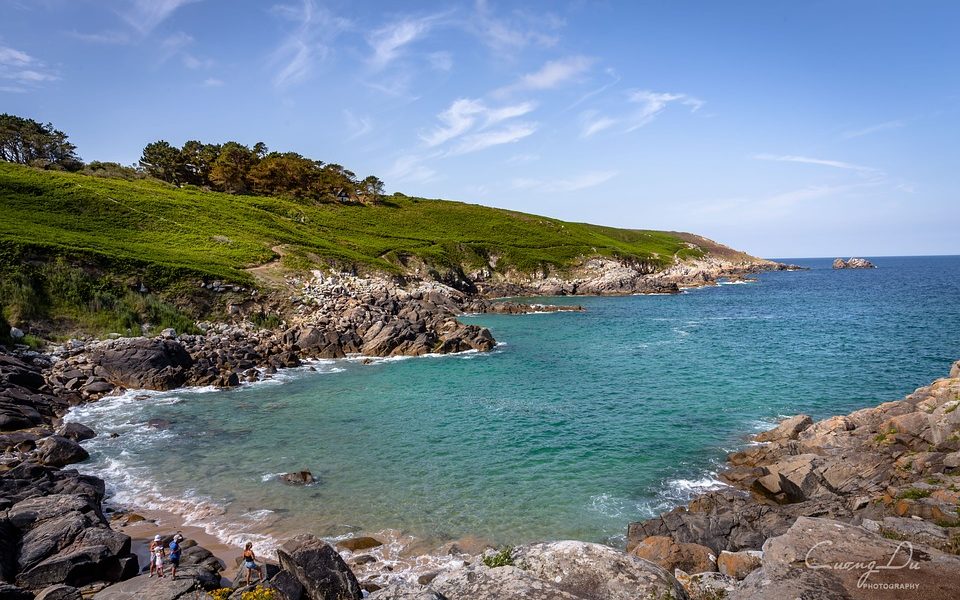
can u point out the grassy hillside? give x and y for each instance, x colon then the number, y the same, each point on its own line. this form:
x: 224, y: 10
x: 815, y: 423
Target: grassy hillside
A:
x: 86, y: 254
x: 190, y: 230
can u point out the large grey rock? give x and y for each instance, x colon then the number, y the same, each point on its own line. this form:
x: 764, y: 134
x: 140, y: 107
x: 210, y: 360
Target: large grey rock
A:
x: 143, y: 363
x: 23, y: 514
x: 57, y: 451
x: 78, y: 567
x: 143, y: 587
x: 11, y: 592
x: 406, y: 591
x: 594, y: 571
x: 319, y: 569
x: 59, y: 592
x: 821, y: 558
x: 482, y: 583
x: 788, y: 429
x: 50, y: 536
x: 77, y: 432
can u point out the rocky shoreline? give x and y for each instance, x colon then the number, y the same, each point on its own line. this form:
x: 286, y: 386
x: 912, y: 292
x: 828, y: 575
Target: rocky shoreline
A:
x: 58, y: 540
x: 846, y: 490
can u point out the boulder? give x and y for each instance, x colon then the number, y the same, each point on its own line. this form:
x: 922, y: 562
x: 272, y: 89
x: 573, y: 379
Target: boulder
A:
x: 59, y: 592
x: 11, y: 592
x: 143, y: 587
x: 319, y: 569
x: 482, y: 583
x: 788, y: 429
x: 23, y: 514
x: 739, y: 564
x: 57, y: 451
x: 81, y: 566
x: 663, y: 551
x: 143, y: 363
x: 298, y: 478
x: 853, y: 263
x: 822, y: 558
x: 356, y: 544
x: 77, y: 432
x: 406, y: 591
x: 593, y: 571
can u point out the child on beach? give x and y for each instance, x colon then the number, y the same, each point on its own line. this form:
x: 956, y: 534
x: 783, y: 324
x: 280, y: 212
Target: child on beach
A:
x: 175, y: 554
x: 250, y: 562
x: 157, y: 553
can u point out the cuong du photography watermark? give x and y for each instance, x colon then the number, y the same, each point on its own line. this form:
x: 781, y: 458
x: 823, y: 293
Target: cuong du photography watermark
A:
x: 901, y: 559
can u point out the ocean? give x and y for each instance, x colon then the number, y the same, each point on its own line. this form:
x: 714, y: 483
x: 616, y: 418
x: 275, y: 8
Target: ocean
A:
x: 577, y: 423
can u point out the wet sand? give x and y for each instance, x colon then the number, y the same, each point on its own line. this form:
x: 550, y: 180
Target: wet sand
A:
x: 159, y: 522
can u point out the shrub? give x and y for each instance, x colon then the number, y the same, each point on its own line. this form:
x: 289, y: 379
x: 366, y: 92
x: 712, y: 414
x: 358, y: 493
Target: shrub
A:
x: 503, y: 558
x: 260, y: 593
x: 913, y: 494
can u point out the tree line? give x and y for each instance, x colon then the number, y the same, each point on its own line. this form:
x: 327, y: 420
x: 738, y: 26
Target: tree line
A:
x: 238, y: 169
x: 231, y: 167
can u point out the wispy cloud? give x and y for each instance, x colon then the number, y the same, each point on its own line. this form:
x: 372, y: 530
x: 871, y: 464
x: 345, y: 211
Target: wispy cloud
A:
x: 389, y: 41
x: 654, y: 103
x: 466, y: 114
x: 212, y: 82
x: 22, y: 71
x: 145, y: 15
x: 651, y: 104
x: 306, y: 44
x: 579, y: 182
x: 356, y: 126
x: 440, y: 61
x: 102, y: 37
x: 508, y: 134
x: 873, y: 129
x: 507, y: 34
x: 836, y: 164
x: 410, y: 168
x: 551, y: 75
x: 592, y: 121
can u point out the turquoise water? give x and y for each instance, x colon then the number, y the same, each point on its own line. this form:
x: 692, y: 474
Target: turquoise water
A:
x: 577, y: 424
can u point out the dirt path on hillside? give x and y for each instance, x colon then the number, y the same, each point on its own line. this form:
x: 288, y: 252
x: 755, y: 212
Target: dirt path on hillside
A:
x: 270, y: 272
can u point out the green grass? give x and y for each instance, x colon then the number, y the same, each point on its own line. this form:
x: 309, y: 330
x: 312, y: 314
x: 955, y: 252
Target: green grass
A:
x: 176, y: 233
x: 913, y: 494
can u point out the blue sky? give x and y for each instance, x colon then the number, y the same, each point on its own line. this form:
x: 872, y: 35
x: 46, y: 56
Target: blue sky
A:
x: 782, y: 128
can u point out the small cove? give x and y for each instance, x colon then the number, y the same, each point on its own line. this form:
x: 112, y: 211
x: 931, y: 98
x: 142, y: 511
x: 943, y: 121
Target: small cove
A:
x: 575, y: 425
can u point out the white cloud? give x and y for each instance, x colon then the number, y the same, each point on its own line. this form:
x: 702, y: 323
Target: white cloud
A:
x: 873, y: 129
x: 495, y: 137
x: 521, y: 158
x: 145, y: 15
x: 816, y: 161
x: 357, y: 126
x: 388, y: 41
x: 12, y: 57
x: 593, y: 122
x: 579, y: 182
x: 508, y: 34
x: 440, y: 61
x: 306, y: 44
x: 465, y: 113
x: 410, y: 168
x: 212, y: 82
x: 103, y: 37
x: 23, y: 70
x: 551, y: 75
x: 654, y: 103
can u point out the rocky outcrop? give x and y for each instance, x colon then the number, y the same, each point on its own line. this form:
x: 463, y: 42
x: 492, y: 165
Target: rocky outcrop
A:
x: 853, y: 263
x: 318, y: 567
x: 565, y: 570
x: 890, y: 471
x: 818, y: 558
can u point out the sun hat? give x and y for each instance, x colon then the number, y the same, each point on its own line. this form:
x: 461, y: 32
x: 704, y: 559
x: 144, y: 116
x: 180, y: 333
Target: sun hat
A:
x: 156, y: 538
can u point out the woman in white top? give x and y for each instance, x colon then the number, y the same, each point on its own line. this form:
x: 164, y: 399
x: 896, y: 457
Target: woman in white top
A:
x: 157, y: 553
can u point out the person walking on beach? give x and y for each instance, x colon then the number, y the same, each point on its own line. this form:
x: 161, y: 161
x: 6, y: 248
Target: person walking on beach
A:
x: 156, y: 556
x: 250, y: 562
x: 175, y: 554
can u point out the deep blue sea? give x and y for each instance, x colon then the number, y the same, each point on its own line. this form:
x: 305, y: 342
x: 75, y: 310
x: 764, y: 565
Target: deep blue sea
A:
x: 577, y: 424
